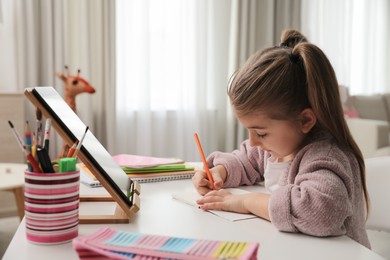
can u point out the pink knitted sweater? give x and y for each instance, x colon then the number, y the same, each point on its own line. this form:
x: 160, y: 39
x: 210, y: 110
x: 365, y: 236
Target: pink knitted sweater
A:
x: 320, y: 193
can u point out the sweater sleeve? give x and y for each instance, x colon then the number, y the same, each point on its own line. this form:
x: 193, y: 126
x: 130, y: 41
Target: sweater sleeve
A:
x: 318, y: 201
x: 243, y: 166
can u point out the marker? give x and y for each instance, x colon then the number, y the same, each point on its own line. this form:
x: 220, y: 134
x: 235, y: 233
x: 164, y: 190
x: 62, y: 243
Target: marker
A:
x: 206, y: 167
x: 80, y: 143
x: 47, y: 134
x: 44, y: 160
x: 29, y: 156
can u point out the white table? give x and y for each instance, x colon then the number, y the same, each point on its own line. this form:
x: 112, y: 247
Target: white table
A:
x: 162, y: 215
x: 12, y: 179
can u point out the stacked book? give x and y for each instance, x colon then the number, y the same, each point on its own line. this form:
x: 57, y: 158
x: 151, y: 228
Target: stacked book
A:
x: 152, y: 169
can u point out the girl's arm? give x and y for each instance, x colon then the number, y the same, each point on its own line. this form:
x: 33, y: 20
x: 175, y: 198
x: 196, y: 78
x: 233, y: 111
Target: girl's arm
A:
x: 244, y: 166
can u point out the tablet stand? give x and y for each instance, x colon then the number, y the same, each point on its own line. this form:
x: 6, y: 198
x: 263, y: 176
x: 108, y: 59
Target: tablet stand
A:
x: 119, y: 215
x: 123, y: 212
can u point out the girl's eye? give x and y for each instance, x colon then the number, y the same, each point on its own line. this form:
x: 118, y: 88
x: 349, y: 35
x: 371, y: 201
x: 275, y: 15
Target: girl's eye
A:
x: 262, y: 135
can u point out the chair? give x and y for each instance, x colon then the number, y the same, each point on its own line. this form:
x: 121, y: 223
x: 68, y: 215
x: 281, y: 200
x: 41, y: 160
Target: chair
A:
x: 378, y: 222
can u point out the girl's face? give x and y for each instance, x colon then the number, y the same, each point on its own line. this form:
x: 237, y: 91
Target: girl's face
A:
x: 282, y: 138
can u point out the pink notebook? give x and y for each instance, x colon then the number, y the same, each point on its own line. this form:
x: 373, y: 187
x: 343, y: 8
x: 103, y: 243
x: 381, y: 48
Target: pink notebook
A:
x: 137, y: 161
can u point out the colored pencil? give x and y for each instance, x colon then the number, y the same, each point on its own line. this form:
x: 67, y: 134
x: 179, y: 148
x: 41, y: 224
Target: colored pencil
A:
x: 206, y: 167
x: 27, y: 136
x: 29, y: 156
x: 72, y: 150
x: 80, y: 143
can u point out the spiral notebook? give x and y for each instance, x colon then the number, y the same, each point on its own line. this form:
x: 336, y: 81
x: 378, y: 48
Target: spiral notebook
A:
x: 87, y: 178
x: 108, y: 243
x: 162, y: 176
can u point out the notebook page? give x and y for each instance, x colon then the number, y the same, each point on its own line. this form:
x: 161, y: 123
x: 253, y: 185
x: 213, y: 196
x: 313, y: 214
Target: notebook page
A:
x: 192, y: 195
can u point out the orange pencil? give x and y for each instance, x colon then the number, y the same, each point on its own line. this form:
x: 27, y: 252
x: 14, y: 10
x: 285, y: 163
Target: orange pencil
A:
x: 72, y: 150
x: 206, y: 167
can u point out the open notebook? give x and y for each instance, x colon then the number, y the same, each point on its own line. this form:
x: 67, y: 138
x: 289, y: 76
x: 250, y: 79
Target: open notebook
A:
x: 190, y: 197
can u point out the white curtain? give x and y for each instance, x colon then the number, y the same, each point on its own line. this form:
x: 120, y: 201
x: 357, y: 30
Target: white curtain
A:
x: 39, y: 37
x: 355, y: 36
x: 160, y: 68
x: 31, y: 47
x: 174, y: 61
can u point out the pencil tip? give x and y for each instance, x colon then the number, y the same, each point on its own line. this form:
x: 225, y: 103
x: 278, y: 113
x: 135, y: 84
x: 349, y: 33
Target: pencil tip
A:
x: 10, y: 124
x: 86, y: 129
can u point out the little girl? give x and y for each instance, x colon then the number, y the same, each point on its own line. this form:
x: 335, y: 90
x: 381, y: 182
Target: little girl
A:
x: 299, y: 145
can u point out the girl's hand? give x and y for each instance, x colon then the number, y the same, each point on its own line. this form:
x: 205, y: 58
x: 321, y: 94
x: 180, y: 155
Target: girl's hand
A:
x: 255, y: 203
x: 202, y: 183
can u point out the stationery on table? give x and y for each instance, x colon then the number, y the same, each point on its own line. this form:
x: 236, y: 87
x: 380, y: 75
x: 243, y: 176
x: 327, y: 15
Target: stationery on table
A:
x: 29, y: 156
x: 46, y: 139
x: 92, y: 153
x: 72, y: 149
x: 205, y: 166
x: 67, y: 164
x: 41, y: 163
x: 191, y: 196
x: 27, y: 135
x: 44, y: 160
x: 162, y: 176
x: 111, y: 243
x: 38, y: 132
x: 138, y: 161
x: 78, y: 147
x: 153, y: 169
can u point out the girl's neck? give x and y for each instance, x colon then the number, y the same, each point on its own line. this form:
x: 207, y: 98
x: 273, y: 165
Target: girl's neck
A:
x: 285, y: 158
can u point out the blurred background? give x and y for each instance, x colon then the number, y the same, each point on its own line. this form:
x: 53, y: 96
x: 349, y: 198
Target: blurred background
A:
x: 161, y: 68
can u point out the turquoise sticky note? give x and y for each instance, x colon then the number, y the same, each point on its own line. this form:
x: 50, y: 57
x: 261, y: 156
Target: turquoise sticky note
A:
x: 67, y: 164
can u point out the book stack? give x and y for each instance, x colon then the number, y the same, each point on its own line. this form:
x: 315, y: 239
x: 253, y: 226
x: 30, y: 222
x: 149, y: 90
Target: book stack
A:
x: 152, y: 169
x: 108, y: 243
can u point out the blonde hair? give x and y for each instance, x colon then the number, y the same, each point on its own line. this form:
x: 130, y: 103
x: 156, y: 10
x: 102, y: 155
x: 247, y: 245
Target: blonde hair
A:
x: 284, y: 80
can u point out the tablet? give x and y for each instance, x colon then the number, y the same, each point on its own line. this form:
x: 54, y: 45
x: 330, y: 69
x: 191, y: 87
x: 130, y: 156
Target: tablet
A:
x: 92, y: 153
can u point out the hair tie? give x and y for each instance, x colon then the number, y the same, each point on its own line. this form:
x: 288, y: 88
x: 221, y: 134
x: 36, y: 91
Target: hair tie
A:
x: 294, y: 58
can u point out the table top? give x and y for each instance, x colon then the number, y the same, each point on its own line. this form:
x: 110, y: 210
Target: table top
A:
x: 11, y: 175
x: 160, y: 214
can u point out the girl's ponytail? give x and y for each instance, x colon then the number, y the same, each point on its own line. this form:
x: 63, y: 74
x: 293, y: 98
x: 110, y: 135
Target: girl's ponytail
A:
x: 324, y: 99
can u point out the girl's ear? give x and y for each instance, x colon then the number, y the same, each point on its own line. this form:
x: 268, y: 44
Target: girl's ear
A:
x: 307, y: 119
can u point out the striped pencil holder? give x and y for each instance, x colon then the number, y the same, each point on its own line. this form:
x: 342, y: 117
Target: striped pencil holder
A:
x: 51, y: 202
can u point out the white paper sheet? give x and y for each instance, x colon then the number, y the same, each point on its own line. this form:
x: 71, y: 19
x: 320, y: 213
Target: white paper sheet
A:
x: 191, y: 196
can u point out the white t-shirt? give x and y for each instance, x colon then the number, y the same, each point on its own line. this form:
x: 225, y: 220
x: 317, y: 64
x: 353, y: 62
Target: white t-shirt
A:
x: 272, y: 174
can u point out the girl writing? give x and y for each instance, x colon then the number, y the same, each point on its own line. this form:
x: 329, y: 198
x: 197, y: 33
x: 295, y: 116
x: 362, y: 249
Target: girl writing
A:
x: 299, y: 145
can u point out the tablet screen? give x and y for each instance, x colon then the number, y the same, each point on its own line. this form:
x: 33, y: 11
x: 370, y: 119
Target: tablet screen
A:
x: 91, y: 148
